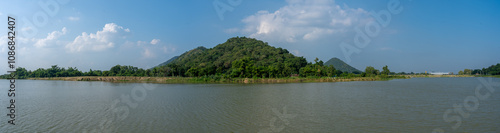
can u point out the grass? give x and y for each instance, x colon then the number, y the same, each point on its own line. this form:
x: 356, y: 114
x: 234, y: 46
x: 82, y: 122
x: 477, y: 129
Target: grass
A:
x: 495, y: 76
x: 219, y: 79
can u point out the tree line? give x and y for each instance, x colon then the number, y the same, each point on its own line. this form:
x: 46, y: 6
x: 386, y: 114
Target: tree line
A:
x: 241, y: 69
x: 491, y: 70
x: 238, y: 57
x: 56, y: 71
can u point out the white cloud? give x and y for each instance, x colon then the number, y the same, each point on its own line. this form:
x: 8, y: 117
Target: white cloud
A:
x: 168, y: 49
x: 141, y: 43
x: 114, y: 39
x: 101, y: 40
x: 50, y: 39
x: 4, y: 48
x: 73, y: 18
x: 303, y: 20
x: 150, y: 51
x: 155, y: 41
x: 26, y: 29
x: 147, y: 53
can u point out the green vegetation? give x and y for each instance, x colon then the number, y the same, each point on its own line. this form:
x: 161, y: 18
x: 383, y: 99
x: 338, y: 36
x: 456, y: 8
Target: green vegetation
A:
x: 370, y: 72
x: 168, y: 61
x: 236, y: 60
x: 342, y: 66
x: 55, y: 71
x: 318, y: 70
x: 238, y: 57
x: 492, y: 70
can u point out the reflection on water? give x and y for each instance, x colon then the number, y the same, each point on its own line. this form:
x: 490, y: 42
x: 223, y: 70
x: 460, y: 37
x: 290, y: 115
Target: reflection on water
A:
x: 403, y: 105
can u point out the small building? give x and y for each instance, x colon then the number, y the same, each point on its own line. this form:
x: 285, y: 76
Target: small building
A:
x: 440, y: 73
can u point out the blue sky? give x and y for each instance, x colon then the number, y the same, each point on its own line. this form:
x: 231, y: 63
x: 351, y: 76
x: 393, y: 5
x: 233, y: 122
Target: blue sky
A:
x: 426, y: 35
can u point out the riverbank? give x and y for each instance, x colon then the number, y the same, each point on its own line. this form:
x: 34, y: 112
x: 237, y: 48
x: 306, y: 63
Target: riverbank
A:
x: 130, y: 79
x: 176, y: 80
x: 438, y: 76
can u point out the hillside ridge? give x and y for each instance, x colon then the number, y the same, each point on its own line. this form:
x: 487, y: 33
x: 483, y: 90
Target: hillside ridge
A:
x: 342, y: 66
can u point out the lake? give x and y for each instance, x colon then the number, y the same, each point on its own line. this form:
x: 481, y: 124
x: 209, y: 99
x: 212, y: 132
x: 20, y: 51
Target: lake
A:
x: 400, y: 105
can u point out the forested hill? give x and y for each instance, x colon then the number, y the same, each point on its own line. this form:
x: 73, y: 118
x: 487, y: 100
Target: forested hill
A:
x: 237, y: 57
x: 168, y: 61
x: 342, y: 66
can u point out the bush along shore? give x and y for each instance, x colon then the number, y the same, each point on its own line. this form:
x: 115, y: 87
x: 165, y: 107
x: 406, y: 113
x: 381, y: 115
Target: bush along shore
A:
x: 238, y: 60
x: 208, y: 79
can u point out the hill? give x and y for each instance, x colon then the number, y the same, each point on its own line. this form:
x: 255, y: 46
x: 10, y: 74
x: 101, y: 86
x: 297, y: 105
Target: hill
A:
x: 168, y: 61
x: 237, y: 57
x: 342, y: 66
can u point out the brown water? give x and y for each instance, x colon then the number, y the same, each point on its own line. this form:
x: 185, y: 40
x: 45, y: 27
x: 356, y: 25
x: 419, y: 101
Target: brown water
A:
x: 402, y: 105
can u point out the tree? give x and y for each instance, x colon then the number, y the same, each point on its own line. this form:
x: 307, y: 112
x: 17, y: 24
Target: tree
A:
x: 467, y: 71
x: 193, y: 72
x: 493, y: 69
x: 330, y: 71
x: 385, y: 70
x: 22, y: 73
x: 371, y: 71
x: 460, y: 72
x: 320, y: 63
x: 115, y: 70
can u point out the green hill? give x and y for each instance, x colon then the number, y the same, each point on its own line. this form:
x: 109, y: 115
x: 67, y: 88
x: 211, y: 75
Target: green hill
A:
x: 184, y: 55
x: 168, y: 61
x: 237, y: 57
x: 342, y: 66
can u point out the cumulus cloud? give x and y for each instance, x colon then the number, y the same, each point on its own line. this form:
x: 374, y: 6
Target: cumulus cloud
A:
x: 101, y: 40
x: 303, y: 20
x: 73, y: 18
x: 50, y: 39
x: 155, y: 41
x: 113, y: 42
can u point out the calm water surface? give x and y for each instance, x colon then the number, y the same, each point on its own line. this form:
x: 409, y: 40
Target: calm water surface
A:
x: 402, y: 105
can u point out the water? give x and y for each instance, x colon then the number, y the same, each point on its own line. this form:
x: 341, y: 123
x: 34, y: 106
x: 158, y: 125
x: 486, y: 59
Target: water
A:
x: 402, y: 105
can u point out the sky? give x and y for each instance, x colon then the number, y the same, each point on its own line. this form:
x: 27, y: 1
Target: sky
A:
x: 406, y: 35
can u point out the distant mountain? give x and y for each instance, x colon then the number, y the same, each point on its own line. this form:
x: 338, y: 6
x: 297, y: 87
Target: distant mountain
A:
x: 168, y: 61
x: 342, y: 66
x: 184, y: 55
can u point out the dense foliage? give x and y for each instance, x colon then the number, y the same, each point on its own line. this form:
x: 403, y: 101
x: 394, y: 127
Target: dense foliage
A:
x: 168, y: 61
x: 56, y: 71
x: 239, y: 57
x: 492, y: 70
x: 318, y: 70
